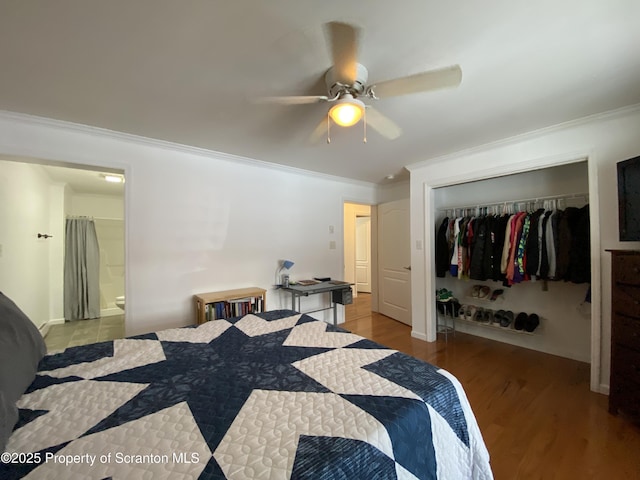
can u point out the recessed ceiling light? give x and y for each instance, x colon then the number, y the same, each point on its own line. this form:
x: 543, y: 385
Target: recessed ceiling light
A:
x: 390, y: 177
x: 112, y: 177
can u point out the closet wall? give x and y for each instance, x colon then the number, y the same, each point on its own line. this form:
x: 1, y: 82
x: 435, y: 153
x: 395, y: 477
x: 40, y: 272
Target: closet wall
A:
x: 565, y: 326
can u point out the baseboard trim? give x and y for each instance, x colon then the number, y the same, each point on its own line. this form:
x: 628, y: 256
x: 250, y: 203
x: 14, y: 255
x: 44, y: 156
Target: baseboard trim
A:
x: 110, y: 312
x: 419, y: 336
x: 44, y: 328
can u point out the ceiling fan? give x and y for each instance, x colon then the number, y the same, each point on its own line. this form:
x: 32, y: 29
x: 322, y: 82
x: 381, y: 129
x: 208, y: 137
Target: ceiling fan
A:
x: 346, y: 83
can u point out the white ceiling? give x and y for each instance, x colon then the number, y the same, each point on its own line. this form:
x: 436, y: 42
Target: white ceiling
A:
x: 188, y: 71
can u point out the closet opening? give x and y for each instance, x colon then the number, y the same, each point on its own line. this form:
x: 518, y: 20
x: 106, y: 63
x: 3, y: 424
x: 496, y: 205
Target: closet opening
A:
x: 513, y: 259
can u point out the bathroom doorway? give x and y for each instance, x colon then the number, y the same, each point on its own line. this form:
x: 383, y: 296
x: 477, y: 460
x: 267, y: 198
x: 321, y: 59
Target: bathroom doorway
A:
x: 39, y: 196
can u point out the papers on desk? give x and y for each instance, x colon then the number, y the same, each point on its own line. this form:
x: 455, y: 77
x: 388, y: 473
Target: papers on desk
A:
x: 306, y: 283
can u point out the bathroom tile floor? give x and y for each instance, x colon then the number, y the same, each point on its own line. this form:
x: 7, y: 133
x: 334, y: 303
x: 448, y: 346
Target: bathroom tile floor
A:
x: 83, y: 332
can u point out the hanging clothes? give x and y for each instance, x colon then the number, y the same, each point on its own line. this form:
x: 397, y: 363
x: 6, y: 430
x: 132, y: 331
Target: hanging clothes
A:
x: 550, y: 244
x: 580, y: 256
x: 442, y: 249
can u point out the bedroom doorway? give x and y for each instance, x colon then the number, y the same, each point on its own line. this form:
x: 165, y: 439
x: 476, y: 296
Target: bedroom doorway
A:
x: 387, y: 227
x: 357, y: 247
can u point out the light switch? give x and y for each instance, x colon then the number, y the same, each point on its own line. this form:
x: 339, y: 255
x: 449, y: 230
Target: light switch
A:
x: 418, y: 244
x: 332, y: 245
x: 330, y: 228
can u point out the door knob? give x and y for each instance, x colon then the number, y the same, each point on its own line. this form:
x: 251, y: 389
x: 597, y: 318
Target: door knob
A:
x: 408, y: 268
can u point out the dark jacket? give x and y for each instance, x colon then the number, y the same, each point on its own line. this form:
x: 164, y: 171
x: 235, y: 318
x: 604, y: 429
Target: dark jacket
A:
x: 443, y: 253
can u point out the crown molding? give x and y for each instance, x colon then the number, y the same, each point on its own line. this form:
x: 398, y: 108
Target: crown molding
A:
x: 172, y: 146
x: 531, y: 135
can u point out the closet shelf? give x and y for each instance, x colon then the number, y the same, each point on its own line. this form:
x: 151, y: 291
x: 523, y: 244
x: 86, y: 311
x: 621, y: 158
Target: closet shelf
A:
x: 486, y: 300
x: 508, y: 329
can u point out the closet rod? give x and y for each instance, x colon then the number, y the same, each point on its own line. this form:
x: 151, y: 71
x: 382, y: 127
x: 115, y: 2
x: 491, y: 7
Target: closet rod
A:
x: 523, y: 200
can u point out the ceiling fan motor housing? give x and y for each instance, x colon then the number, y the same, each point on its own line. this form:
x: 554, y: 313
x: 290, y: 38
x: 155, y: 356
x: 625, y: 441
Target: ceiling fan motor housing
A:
x: 335, y: 86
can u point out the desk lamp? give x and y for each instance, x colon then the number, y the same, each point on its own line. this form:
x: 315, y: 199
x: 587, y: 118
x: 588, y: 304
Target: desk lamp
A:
x: 284, y: 265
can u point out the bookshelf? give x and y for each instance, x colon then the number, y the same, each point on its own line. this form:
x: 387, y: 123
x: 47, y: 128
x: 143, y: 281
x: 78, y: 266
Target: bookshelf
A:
x: 229, y: 303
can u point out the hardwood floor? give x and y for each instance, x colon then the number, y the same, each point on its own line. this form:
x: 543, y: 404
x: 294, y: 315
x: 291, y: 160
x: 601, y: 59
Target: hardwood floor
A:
x: 535, y: 411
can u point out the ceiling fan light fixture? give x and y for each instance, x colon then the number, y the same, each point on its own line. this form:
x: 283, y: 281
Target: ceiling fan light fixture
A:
x: 347, y: 111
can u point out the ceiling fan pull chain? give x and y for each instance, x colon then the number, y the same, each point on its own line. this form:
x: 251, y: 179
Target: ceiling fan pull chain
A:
x: 364, y: 113
x: 328, y: 129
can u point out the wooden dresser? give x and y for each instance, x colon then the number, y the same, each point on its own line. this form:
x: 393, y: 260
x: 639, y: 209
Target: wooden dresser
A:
x: 624, y: 393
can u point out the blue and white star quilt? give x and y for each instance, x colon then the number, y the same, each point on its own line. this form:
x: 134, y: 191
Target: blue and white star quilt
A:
x: 274, y: 395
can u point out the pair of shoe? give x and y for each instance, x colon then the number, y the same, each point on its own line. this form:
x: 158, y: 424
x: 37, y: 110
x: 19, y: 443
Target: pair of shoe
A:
x: 496, y: 293
x: 504, y: 318
x: 467, y: 312
x: 483, y: 315
x: 480, y: 291
x: 526, y: 322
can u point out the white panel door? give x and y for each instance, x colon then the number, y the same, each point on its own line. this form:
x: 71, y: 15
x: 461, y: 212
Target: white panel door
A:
x: 394, y: 260
x: 363, y: 254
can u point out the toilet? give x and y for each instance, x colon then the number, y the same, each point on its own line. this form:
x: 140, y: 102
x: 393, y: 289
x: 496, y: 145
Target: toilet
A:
x: 120, y: 302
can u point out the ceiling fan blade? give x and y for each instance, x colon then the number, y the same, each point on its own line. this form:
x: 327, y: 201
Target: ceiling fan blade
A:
x: 294, y: 100
x: 319, y: 132
x: 343, y: 41
x: 419, y: 82
x: 382, y: 124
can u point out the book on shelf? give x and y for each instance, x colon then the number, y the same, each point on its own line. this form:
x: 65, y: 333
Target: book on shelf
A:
x: 233, y: 308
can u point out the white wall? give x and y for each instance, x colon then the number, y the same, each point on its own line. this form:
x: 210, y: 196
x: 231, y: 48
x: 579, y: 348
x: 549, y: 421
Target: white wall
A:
x: 25, y: 258
x: 94, y: 205
x: 393, y: 191
x: 564, y: 179
x: 199, y: 221
x: 604, y: 140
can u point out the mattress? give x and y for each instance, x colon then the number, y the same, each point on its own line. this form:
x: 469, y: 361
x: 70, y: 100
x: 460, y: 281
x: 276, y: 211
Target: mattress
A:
x: 275, y: 395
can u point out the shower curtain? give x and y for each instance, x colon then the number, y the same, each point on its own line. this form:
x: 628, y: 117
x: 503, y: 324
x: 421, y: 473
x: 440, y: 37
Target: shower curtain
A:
x: 81, y: 270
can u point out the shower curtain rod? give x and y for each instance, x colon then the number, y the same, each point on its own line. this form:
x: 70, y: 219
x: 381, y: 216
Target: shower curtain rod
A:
x: 524, y: 200
x: 94, y: 218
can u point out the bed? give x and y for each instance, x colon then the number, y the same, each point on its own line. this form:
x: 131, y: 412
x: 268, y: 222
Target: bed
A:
x: 270, y: 395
